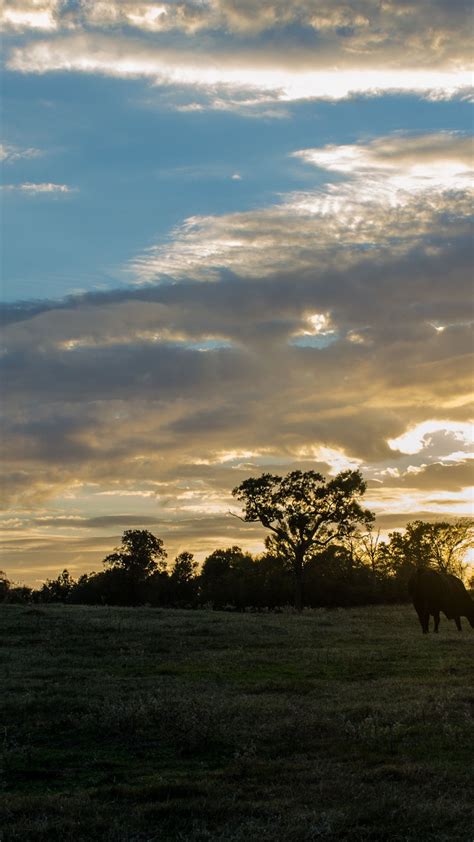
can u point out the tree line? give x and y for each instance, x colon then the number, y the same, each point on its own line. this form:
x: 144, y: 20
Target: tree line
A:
x: 322, y: 550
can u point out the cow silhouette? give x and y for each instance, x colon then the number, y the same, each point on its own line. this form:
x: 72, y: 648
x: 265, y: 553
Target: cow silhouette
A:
x: 433, y: 592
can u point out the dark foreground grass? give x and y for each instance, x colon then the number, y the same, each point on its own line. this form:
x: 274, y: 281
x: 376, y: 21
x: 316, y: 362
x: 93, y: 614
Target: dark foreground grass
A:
x: 145, y: 724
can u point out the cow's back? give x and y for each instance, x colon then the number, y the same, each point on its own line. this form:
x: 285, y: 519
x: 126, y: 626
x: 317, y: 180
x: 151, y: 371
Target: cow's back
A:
x: 434, y: 592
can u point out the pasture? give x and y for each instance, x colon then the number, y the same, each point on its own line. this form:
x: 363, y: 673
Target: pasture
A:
x: 135, y: 725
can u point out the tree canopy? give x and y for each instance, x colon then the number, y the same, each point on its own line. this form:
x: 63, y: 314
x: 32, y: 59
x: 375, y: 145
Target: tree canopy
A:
x: 140, y: 554
x: 442, y: 544
x: 304, y: 512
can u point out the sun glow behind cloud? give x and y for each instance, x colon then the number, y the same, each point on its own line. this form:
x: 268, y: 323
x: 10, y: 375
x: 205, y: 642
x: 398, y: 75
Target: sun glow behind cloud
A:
x: 402, y: 163
x: 415, y: 439
x: 29, y: 16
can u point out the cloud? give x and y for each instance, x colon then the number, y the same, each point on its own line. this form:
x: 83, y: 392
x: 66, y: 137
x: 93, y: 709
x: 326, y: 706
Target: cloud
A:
x: 33, y: 189
x: 245, y: 56
x: 401, y: 162
x: 248, y: 76
x: 20, y: 15
x: 9, y: 153
x: 414, y: 440
x: 129, y: 414
x: 421, y: 31
x: 399, y: 520
x: 434, y: 477
x: 103, y: 522
x: 397, y: 191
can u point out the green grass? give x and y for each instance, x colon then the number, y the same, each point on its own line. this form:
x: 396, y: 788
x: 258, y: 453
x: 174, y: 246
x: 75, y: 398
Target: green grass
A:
x: 144, y: 724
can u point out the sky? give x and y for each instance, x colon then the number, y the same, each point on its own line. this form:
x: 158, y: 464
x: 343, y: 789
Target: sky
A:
x: 236, y: 239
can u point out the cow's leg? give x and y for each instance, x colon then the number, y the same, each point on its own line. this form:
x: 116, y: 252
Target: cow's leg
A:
x: 436, y: 621
x: 457, y: 620
x: 424, y: 618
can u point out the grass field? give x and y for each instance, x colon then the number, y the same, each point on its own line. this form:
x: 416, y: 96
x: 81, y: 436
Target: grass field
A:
x: 145, y: 724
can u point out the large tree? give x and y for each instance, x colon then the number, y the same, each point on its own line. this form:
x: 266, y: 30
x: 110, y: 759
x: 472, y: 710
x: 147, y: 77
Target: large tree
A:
x: 304, y: 512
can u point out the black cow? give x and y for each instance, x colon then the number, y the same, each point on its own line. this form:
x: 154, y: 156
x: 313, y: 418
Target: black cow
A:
x: 433, y: 592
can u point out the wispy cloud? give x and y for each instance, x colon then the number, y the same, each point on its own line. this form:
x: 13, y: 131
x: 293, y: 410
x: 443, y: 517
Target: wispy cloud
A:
x: 30, y: 188
x: 9, y: 153
x: 397, y: 192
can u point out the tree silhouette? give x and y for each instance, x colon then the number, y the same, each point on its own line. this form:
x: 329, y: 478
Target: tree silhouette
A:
x: 183, y: 580
x: 440, y: 544
x: 184, y: 568
x: 140, y: 555
x: 368, y: 549
x: 59, y: 589
x: 5, y: 585
x: 304, y: 512
x: 226, y: 577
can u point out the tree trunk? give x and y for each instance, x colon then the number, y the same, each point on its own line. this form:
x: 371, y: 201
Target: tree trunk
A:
x: 298, y: 567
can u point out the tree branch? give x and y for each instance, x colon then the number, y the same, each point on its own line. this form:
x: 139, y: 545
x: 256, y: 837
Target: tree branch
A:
x: 240, y: 518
